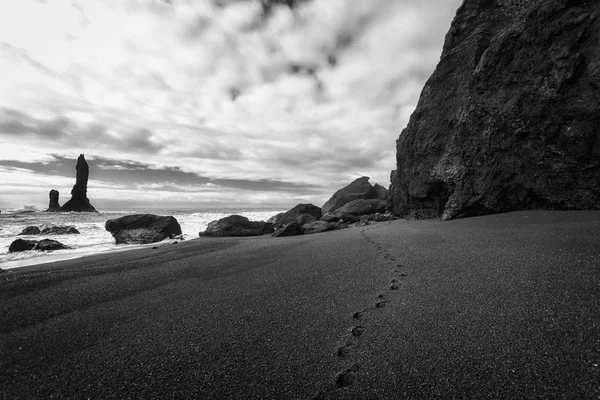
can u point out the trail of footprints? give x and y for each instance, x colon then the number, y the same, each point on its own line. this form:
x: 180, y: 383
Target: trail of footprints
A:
x: 352, y: 339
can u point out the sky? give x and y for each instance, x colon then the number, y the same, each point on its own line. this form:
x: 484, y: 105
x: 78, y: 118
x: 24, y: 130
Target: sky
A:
x: 208, y: 103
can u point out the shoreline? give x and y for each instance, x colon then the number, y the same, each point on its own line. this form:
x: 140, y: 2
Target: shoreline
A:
x: 57, y: 258
x: 501, y: 306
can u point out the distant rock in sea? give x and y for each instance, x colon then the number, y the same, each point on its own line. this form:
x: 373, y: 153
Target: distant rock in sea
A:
x: 79, y: 201
x: 143, y: 228
x: 39, y: 245
x: 51, y: 230
x: 60, y: 230
x: 54, y: 206
x: 236, y: 226
x: 30, y: 230
x: 509, y: 119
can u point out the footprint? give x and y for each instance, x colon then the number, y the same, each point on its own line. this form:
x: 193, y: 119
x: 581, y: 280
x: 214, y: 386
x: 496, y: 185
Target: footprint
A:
x: 394, y: 286
x: 357, y: 330
x: 345, y: 349
x: 394, y: 280
x: 358, y: 314
x: 346, y: 377
x: 380, y: 304
x: 381, y: 296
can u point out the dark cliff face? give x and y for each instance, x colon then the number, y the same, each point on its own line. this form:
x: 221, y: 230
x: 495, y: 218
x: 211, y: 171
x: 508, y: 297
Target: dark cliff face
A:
x: 510, y: 119
x: 79, y: 201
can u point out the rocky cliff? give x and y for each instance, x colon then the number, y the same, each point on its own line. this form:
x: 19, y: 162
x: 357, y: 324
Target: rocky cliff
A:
x: 510, y: 119
x: 79, y: 201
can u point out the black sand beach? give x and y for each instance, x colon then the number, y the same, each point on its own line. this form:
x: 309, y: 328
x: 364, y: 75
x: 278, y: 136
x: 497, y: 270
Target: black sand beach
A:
x: 498, y: 307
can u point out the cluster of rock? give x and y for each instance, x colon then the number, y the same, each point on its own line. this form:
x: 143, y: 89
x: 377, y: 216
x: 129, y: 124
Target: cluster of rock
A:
x: 143, y: 228
x: 44, y: 244
x: 359, y: 203
x: 50, y: 230
x: 40, y: 245
x: 79, y: 201
x: 509, y: 119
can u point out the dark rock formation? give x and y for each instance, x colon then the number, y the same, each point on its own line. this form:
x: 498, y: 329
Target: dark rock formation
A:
x: 510, y: 119
x: 236, y: 225
x: 301, y: 213
x: 60, y: 230
x: 143, y: 228
x: 54, y: 206
x: 79, y: 201
x: 291, y: 229
x: 329, y: 217
x: 378, y: 217
x: 359, y: 189
x: 360, y: 207
x: 382, y: 193
x: 318, y: 227
x: 30, y: 230
x: 51, y: 230
x: 41, y: 245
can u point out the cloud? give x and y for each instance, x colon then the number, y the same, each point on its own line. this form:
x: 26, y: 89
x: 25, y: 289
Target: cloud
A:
x: 313, y: 92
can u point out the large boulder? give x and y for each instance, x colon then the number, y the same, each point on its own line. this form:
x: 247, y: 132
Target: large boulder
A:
x: 291, y: 229
x: 143, y: 228
x: 237, y: 225
x: 361, y: 207
x: 30, y: 230
x: 79, y: 201
x: 301, y: 213
x: 359, y: 189
x: 382, y: 193
x: 40, y: 245
x: 318, y: 227
x: 53, y: 206
x: 509, y: 119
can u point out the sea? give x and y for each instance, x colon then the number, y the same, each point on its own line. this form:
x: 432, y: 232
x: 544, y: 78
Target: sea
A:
x: 93, y: 238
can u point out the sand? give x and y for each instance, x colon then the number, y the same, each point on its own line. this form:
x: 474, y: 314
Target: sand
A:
x: 503, y: 306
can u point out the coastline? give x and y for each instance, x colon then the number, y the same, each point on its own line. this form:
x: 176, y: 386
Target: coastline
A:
x: 502, y: 306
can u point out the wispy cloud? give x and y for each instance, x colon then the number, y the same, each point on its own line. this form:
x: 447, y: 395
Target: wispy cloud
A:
x: 313, y: 92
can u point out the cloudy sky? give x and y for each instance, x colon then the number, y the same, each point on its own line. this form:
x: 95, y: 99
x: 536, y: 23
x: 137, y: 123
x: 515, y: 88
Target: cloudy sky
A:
x: 208, y: 103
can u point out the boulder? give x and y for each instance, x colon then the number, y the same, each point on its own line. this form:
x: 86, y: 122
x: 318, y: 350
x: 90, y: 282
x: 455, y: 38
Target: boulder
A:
x: 237, y: 225
x: 378, y: 217
x: 79, y: 201
x: 30, y: 230
x: 142, y: 228
x: 382, y: 193
x: 359, y: 189
x: 301, y: 213
x: 361, y: 207
x: 60, y: 230
x: 54, y: 206
x: 318, y: 227
x: 509, y: 119
x: 329, y: 217
x: 291, y: 229
x: 40, y: 245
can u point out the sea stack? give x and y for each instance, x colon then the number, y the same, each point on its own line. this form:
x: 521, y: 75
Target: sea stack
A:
x: 509, y: 119
x: 54, y: 206
x: 79, y: 201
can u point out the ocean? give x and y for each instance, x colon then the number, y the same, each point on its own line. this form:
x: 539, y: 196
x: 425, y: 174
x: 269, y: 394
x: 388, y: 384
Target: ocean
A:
x: 94, y: 238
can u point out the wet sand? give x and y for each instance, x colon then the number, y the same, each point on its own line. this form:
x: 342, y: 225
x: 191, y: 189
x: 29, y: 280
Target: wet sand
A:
x: 502, y: 306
